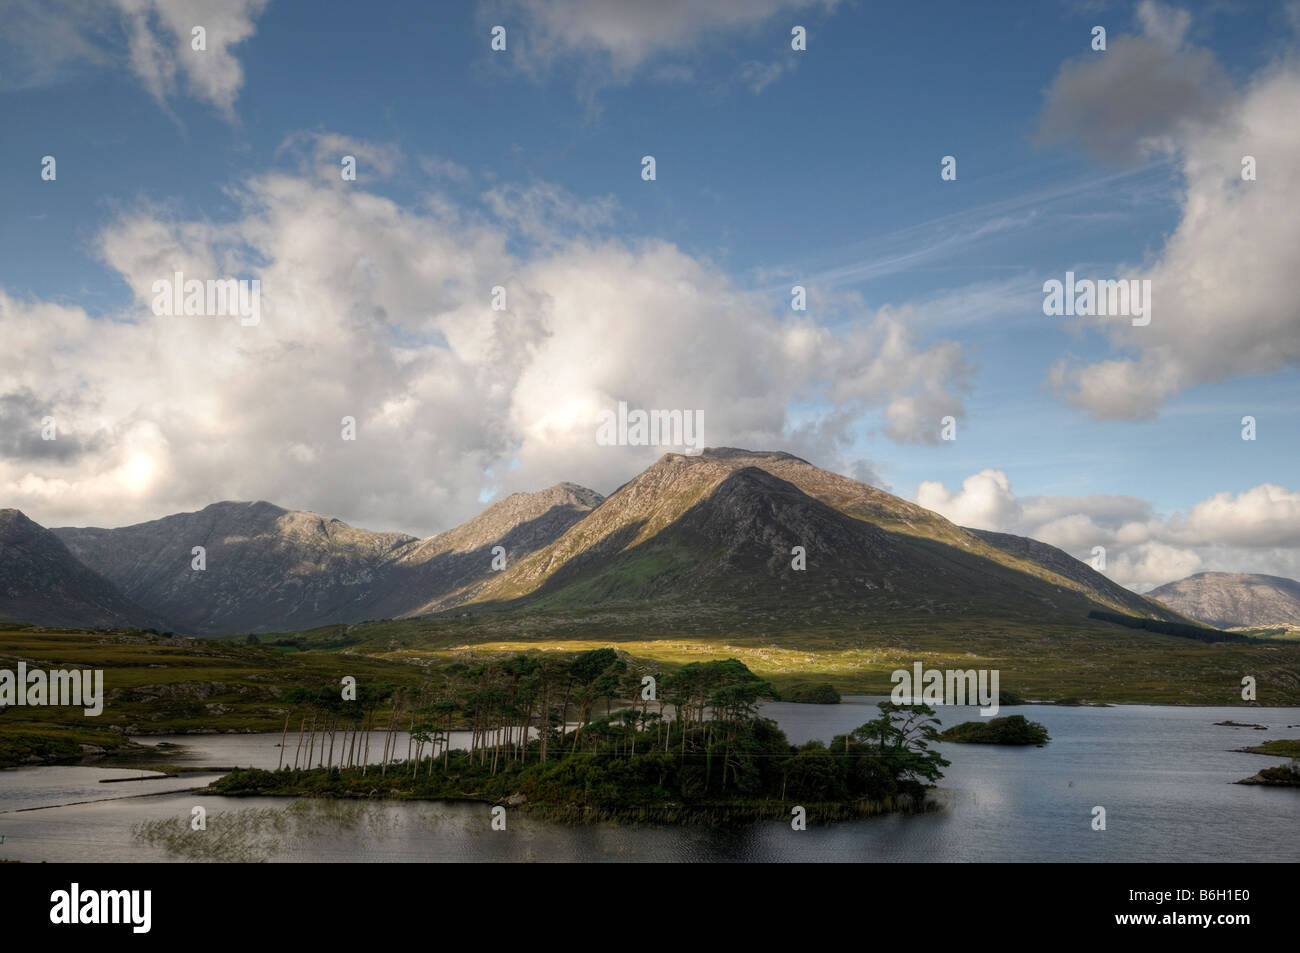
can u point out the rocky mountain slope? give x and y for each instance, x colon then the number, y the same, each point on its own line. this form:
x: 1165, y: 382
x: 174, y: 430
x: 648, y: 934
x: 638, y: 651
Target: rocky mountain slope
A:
x: 721, y: 525
x: 43, y: 583
x: 271, y: 569
x: 710, y: 533
x: 1234, y: 599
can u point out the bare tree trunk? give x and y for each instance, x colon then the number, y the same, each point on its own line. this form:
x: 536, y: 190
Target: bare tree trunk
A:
x: 296, y: 752
x: 564, y: 714
x: 544, y: 727
x: 369, y: 720
x: 284, y: 734
x: 390, y: 739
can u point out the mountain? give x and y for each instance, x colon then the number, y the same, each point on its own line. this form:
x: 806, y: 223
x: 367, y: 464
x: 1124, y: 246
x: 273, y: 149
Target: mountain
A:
x: 1057, y: 561
x: 267, y: 568
x: 1230, y: 599
x: 271, y: 569
x: 709, y: 535
x: 715, y: 528
x: 450, y: 568
x: 43, y: 583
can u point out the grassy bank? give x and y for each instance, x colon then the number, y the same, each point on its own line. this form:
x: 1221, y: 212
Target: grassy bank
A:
x: 1279, y: 748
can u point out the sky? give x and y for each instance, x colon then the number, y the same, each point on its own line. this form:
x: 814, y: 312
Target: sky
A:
x: 522, y: 168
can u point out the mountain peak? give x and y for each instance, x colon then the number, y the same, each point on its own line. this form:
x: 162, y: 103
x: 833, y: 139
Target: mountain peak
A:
x: 732, y: 456
x: 11, y: 518
x: 720, y: 526
x: 43, y: 583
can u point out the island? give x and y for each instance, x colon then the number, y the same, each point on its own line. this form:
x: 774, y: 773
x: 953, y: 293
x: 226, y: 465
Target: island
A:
x: 1011, y: 730
x: 714, y: 761
x: 823, y: 694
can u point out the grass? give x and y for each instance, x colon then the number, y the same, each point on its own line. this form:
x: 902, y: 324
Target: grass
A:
x: 1090, y: 660
x: 1280, y: 748
x: 1284, y: 633
x: 154, y: 684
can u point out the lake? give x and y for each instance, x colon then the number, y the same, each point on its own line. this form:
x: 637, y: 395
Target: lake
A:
x: 1164, y: 776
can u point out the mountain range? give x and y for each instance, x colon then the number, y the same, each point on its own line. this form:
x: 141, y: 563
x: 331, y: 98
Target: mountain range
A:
x: 690, y: 533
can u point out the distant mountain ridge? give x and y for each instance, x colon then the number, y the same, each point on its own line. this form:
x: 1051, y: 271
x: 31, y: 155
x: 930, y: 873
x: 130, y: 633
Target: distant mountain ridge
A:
x: 1234, y: 599
x: 714, y: 532
x: 271, y: 569
x: 41, y: 581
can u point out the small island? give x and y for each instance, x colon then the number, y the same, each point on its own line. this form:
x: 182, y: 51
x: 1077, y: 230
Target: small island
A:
x: 1011, y: 730
x: 711, y: 760
x: 823, y: 694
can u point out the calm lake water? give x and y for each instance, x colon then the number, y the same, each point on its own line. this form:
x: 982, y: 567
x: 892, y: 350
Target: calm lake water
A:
x: 1164, y: 776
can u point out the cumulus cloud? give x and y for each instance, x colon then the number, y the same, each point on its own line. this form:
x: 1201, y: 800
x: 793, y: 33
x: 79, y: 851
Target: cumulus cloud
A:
x: 916, y: 387
x: 1266, y: 515
x: 1222, y: 298
x: 384, y: 313
x: 1256, y: 530
x: 161, y: 33
x: 985, y: 501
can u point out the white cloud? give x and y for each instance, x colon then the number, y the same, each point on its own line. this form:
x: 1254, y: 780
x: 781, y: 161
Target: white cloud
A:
x: 48, y: 40
x: 1148, y: 565
x: 1222, y: 288
x: 1257, y: 530
x: 877, y: 363
x: 383, y: 313
x: 1266, y: 515
x: 985, y: 501
x: 1137, y: 96
x: 622, y: 37
x: 545, y: 212
x: 161, y: 33
x: 1166, y: 25
x: 322, y: 153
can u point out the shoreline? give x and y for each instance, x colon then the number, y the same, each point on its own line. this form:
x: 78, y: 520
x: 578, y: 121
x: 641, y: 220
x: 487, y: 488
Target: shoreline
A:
x: 130, y: 747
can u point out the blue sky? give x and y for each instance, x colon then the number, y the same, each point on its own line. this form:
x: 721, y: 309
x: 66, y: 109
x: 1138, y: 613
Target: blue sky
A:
x: 774, y: 168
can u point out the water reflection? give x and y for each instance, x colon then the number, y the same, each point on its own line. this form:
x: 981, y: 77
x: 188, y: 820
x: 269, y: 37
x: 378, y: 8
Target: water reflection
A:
x: 1164, y: 776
